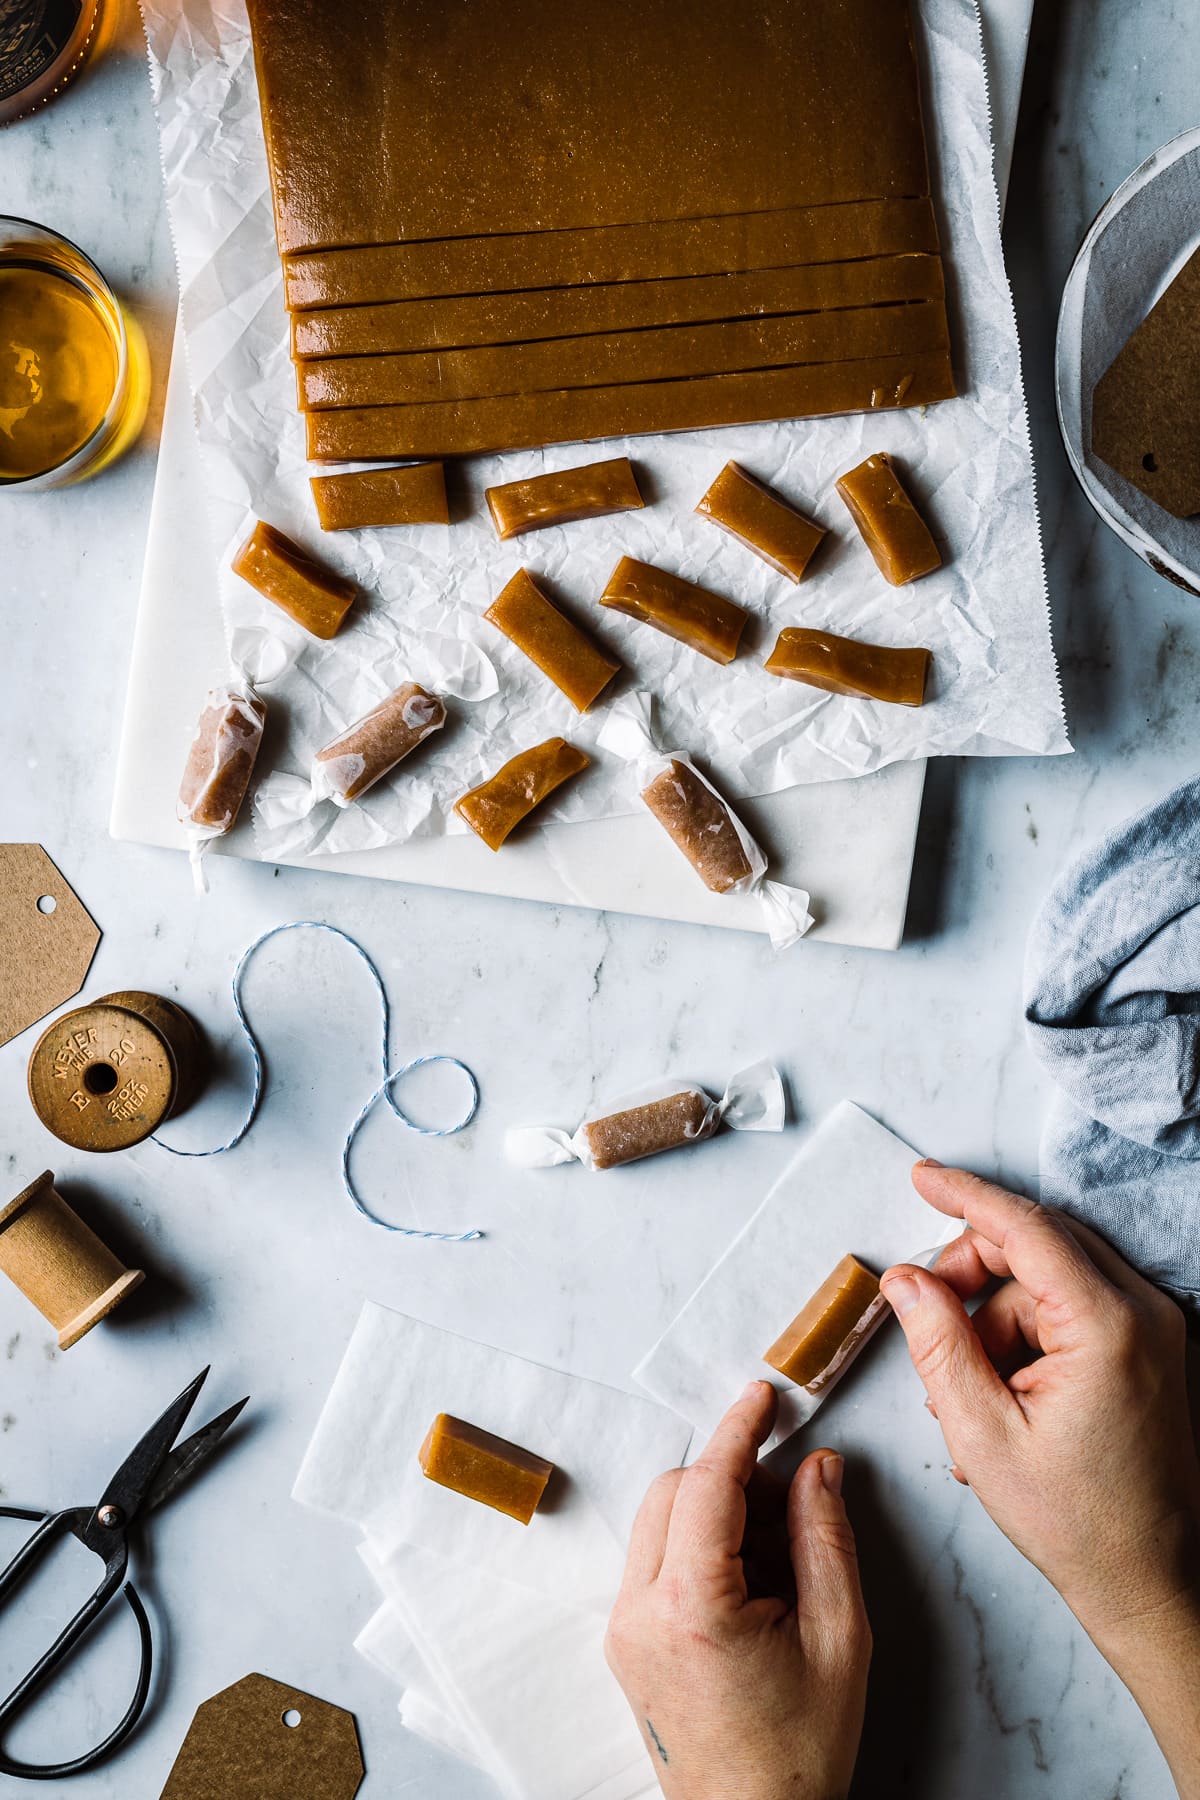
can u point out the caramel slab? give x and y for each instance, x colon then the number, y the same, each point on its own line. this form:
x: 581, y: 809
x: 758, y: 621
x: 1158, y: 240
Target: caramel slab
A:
x: 563, y: 496
x: 762, y: 520
x: 701, y: 825
x: 415, y: 495
x: 578, y: 667
x: 570, y: 415
x: 638, y: 1131
x: 830, y: 1327
x: 290, y: 579
x: 484, y: 1467
x: 463, y: 321
x: 843, y: 666
x: 371, y: 749
x: 843, y: 334
x: 498, y: 805
x: 637, y: 110
x: 892, y: 528
x: 693, y: 615
x: 221, y: 759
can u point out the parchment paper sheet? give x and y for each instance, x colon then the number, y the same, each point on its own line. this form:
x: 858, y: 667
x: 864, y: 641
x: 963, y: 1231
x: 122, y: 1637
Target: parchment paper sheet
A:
x: 994, y: 689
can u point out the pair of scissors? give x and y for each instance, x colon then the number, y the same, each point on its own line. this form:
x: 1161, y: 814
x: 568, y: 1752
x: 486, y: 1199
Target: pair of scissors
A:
x: 152, y: 1471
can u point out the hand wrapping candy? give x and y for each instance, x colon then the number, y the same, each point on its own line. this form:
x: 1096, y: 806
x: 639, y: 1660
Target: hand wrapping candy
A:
x: 667, y: 1115
x: 702, y: 824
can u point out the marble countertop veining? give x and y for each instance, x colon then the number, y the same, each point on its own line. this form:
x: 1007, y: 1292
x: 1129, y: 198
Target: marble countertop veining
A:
x: 256, y: 1263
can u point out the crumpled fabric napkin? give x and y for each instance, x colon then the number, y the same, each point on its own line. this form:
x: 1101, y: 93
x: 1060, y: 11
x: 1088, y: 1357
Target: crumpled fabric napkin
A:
x: 1112, y: 984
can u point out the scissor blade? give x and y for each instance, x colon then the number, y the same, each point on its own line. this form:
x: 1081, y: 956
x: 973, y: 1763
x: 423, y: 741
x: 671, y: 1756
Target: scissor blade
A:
x: 133, y: 1480
x: 188, y: 1456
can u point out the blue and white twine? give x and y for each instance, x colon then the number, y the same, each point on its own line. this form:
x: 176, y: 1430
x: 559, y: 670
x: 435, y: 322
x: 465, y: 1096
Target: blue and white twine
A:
x: 383, y: 1092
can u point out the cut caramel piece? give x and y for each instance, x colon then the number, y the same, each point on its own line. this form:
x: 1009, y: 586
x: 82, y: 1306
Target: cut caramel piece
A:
x: 221, y: 759
x: 831, y: 1328
x: 640, y: 1131
x: 702, y: 826
x: 569, y: 415
x: 576, y: 666
x: 563, y: 497
x: 692, y: 615
x: 842, y: 666
x: 288, y: 577
x: 414, y: 495
x: 499, y: 804
x: 371, y: 749
x: 762, y: 520
x: 895, y: 533
x: 483, y: 1467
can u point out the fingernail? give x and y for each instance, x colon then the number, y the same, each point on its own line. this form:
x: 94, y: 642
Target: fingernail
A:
x: 832, y: 1470
x: 751, y: 1389
x: 901, y: 1294
x: 930, y: 1162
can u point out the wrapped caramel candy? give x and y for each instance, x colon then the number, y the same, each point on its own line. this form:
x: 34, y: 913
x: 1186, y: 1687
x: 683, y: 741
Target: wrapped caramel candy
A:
x: 895, y: 533
x: 831, y: 1328
x: 562, y: 497
x: 692, y: 615
x: 484, y: 1467
x: 578, y: 667
x: 372, y: 748
x: 663, y: 1116
x: 498, y: 805
x: 219, y: 764
x: 841, y: 665
x: 288, y: 577
x: 762, y: 520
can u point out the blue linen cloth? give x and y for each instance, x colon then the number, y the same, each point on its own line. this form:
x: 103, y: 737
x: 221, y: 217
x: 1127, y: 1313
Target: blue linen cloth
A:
x: 1112, y: 985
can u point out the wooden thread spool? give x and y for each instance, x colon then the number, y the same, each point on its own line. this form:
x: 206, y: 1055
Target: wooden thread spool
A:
x: 59, y: 1263
x: 105, y: 1076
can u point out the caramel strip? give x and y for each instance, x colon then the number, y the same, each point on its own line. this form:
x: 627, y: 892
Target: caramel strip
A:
x: 415, y: 495
x: 576, y: 666
x: 623, y: 1137
x: 467, y: 320
x: 895, y: 533
x: 701, y: 825
x: 483, y: 1467
x: 373, y: 273
x: 498, y: 805
x: 843, y: 666
x: 682, y: 610
x: 830, y: 1328
x: 563, y: 496
x: 289, y: 578
x: 764, y: 521
x: 471, y: 427
x: 600, y: 360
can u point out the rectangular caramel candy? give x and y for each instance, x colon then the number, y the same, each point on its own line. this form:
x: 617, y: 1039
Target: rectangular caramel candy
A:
x: 484, y: 1467
x: 575, y: 415
x: 833, y: 1325
x: 499, y: 804
x: 843, y: 666
x: 762, y: 520
x: 288, y: 577
x: 639, y: 1131
x: 371, y: 749
x: 667, y: 353
x: 701, y: 825
x: 895, y: 533
x: 413, y: 495
x: 221, y: 759
x: 455, y: 322
x: 692, y: 615
x: 563, y: 496
x: 578, y: 668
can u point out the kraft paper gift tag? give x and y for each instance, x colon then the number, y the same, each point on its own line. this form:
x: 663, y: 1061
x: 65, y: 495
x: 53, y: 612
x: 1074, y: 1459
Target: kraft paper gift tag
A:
x: 47, y: 938
x: 263, y: 1740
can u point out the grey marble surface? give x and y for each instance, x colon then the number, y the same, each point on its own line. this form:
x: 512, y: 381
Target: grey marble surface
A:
x: 981, y: 1679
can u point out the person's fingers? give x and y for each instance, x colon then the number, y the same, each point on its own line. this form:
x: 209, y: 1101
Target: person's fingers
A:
x: 648, y: 1539
x: 708, y: 1519
x: 974, y: 1408
x: 970, y: 1263
x: 829, y: 1602
x: 1006, y: 1326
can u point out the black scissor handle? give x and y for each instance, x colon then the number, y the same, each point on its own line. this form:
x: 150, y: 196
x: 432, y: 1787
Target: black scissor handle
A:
x: 51, y: 1527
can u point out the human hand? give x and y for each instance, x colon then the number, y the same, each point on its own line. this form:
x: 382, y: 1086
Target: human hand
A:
x: 741, y: 1697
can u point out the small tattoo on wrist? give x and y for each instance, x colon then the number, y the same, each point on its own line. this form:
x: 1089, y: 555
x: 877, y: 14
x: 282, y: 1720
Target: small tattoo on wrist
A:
x: 657, y: 1742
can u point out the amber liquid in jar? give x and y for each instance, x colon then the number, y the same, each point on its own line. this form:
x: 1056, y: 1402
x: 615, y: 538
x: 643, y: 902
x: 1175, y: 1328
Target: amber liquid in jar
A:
x: 43, y: 46
x: 58, y: 369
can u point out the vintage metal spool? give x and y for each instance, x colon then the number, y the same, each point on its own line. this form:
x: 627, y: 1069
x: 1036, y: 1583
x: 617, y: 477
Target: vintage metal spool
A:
x: 105, y: 1076
x: 59, y: 1263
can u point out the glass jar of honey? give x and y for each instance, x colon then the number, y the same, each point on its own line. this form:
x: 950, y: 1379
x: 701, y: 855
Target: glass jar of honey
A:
x: 74, y: 374
x: 44, y: 44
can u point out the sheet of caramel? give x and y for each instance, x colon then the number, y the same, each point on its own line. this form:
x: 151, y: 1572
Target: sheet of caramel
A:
x: 894, y: 531
x: 843, y: 666
x: 690, y: 614
x: 497, y: 806
x: 484, y: 1467
x: 804, y: 1352
x: 562, y: 496
x: 622, y: 1137
x: 602, y: 359
x: 466, y: 320
x: 578, y: 667
x: 415, y: 495
x: 762, y: 520
x: 567, y: 415
x: 701, y: 825
x: 390, y: 120
x: 286, y: 575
